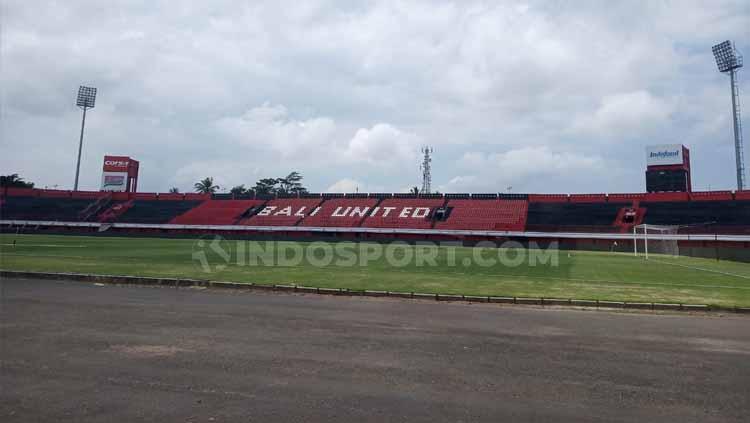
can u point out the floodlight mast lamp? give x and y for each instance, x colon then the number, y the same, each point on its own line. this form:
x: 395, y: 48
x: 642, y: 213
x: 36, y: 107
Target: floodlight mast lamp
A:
x: 86, y: 100
x: 729, y: 60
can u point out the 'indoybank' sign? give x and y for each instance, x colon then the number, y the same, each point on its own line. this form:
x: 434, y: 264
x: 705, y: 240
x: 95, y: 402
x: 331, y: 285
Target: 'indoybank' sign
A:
x: 667, y: 154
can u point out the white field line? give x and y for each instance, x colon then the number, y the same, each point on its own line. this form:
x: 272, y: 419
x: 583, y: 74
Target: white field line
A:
x: 702, y: 269
x: 42, y: 245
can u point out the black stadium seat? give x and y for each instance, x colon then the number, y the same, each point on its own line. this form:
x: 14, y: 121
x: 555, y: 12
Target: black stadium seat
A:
x: 572, y: 214
x: 42, y: 208
x: 721, y: 213
x: 155, y: 211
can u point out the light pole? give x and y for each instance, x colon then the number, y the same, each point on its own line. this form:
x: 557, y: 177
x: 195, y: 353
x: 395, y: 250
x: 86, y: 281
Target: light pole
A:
x: 426, y: 170
x: 729, y: 60
x: 86, y: 100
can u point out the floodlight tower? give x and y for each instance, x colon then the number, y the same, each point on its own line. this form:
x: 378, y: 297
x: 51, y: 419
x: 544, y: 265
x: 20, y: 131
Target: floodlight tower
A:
x: 729, y: 60
x: 425, y: 167
x: 86, y: 100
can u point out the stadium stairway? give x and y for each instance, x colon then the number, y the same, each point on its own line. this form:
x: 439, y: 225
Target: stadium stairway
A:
x: 628, y: 217
x: 101, y: 203
x: 113, y: 212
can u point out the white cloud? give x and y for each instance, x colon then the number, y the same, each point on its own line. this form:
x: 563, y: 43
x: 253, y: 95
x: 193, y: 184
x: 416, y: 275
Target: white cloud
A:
x: 523, y: 168
x: 271, y: 130
x: 347, y: 185
x: 625, y: 114
x: 226, y: 174
x: 351, y: 90
x: 382, y: 144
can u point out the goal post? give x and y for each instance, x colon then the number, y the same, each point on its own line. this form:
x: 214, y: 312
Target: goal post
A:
x: 655, y: 239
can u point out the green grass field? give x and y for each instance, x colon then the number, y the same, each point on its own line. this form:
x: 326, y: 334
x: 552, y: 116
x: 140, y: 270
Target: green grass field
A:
x: 577, y: 274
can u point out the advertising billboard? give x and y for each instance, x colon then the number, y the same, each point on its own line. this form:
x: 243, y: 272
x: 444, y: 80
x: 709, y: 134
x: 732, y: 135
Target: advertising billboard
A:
x: 119, y: 173
x: 114, y: 181
x: 665, y: 154
x: 116, y: 163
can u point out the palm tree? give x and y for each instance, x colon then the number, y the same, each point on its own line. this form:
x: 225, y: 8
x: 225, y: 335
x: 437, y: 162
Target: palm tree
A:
x: 14, y: 181
x: 174, y: 190
x: 414, y: 190
x: 266, y: 186
x: 206, y: 186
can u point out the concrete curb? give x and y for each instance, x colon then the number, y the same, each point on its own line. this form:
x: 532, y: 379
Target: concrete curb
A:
x: 177, y: 283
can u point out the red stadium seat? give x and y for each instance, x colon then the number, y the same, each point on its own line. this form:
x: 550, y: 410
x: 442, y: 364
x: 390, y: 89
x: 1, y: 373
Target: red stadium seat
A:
x: 283, y: 212
x: 666, y: 196
x: 504, y: 215
x: 192, y: 196
x: 408, y: 213
x: 215, y: 212
x: 53, y: 193
x: 341, y: 212
x: 171, y: 196
x: 88, y: 194
x: 588, y: 198
x: 711, y: 196
x: 21, y: 192
x: 548, y: 198
x: 625, y: 197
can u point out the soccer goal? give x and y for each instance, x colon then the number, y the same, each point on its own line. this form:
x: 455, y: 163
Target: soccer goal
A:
x: 655, y: 239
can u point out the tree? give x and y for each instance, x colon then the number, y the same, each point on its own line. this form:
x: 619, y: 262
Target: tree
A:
x: 174, y: 190
x: 239, y: 190
x: 266, y: 186
x: 291, y: 184
x: 206, y: 186
x: 13, y: 181
x: 414, y: 190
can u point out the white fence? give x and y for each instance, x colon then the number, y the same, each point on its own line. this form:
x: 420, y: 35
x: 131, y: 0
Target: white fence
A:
x: 492, y: 234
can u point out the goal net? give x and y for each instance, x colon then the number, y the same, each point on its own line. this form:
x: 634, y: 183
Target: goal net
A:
x: 655, y: 239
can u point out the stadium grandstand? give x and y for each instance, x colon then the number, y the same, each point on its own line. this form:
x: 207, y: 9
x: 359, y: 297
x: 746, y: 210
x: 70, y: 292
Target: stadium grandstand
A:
x: 582, y: 221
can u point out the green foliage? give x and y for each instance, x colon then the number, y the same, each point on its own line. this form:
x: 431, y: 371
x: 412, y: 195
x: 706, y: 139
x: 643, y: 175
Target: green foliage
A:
x: 266, y: 186
x: 206, y: 186
x: 239, y: 190
x: 14, y: 181
x: 290, y: 184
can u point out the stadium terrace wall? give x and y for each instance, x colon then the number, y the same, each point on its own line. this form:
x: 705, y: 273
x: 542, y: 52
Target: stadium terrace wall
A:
x: 718, y: 222
x: 714, y: 246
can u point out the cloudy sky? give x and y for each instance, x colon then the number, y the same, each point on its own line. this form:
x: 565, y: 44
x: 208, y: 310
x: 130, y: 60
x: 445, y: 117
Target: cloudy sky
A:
x: 556, y: 96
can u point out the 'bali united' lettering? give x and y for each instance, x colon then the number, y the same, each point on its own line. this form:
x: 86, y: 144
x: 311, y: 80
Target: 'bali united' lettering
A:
x: 392, y: 212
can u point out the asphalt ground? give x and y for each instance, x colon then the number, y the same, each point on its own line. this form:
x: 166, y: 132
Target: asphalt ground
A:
x: 83, y: 352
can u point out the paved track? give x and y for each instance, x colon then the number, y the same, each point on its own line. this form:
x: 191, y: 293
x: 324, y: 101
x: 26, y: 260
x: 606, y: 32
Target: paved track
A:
x: 79, y: 352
